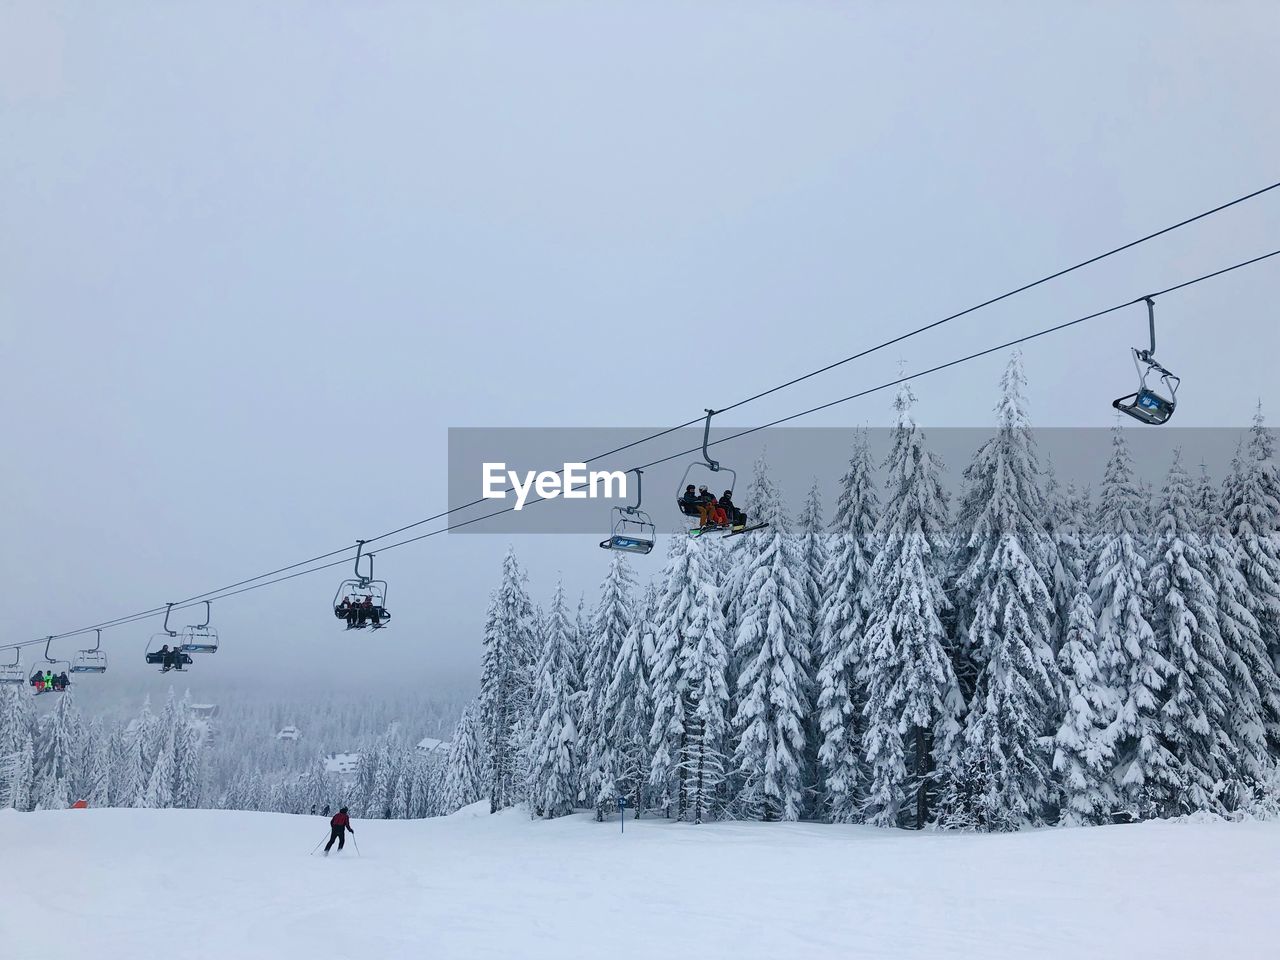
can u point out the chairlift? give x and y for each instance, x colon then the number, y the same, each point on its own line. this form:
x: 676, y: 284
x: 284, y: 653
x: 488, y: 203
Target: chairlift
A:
x: 161, y: 653
x: 13, y: 672
x: 737, y: 524
x: 362, y: 601
x: 632, y: 531
x: 52, y: 679
x: 1149, y: 405
x: 93, y: 660
x: 199, y: 637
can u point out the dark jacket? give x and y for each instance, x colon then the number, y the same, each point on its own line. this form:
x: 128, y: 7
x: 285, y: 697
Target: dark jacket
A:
x: 339, y: 821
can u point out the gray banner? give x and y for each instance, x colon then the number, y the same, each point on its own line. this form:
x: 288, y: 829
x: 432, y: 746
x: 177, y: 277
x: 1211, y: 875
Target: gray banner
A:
x: 795, y: 458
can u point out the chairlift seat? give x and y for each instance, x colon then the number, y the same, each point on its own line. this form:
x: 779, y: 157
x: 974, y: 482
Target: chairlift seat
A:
x: 178, y: 658
x: 89, y: 661
x: 198, y: 640
x: 1146, y: 406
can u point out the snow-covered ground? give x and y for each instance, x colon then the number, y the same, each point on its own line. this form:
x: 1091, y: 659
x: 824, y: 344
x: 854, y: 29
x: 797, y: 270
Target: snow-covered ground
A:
x: 136, y: 884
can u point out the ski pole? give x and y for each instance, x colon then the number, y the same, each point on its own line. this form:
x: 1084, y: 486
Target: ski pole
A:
x: 315, y: 848
x: 354, y: 844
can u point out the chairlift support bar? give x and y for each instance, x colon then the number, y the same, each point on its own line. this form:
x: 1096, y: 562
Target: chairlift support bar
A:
x: 714, y: 465
x: 364, y: 580
x: 1151, y: 324
x: 633, y: 509
x: 208, y: 612
x: 168, y: 610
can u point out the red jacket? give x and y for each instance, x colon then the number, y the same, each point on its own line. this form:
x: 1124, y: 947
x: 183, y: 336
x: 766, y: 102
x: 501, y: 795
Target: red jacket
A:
x: 339, y: 821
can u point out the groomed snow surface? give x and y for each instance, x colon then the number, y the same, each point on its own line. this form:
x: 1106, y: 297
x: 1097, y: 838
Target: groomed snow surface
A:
x: 174, y: 884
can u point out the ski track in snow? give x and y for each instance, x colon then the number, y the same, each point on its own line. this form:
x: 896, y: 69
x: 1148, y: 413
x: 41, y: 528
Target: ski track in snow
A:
x: 178, y: 884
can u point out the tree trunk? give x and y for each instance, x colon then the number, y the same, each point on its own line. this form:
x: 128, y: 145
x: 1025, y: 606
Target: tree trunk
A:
x: 922, y: 779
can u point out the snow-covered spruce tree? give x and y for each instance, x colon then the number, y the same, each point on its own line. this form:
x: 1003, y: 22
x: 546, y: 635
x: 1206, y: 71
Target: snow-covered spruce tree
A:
x: 845, y: 597
x: 690, y: 686
x: 552, y: 760
x: 604, y: 639
x: 815, y: 549
x: 1067, y: 528
x: 100, y: 789
x: 188, y: 758
x: 159, y: 792
x: 1252, y: 502
x: 17, y: 718
x: 467, y: 776
x: 1254, y: 686
x: 773, y: 646
x: 913, y: 699
x: 1081, y: 756
x: 58, y: 754
x: 1002, y: 771
x: 1193, y: 716
x: 1002, y: 497
x: 1131, y: 667
x: 504, y: 682
x: 628, y: 708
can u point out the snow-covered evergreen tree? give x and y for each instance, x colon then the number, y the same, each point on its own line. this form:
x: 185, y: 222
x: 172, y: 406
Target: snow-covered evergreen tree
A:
x: 58, y: 755
x: 628, y: 706
x: 690, y: 686
x: 605, y: 636
x: 552, y: 760
x: 467, y: 777
x: 159, y: 792
x: 913, y: 699
x: 773, y: 646
x: 1003, y: 769
x: 504, y: 682
x: 1081, y: 755
x: 1067, y: 528
x: 1254, y: 686
x: 1252, y: 502
x: 846, y: 595
x: 1131, y: 666
x: 1193, y: 716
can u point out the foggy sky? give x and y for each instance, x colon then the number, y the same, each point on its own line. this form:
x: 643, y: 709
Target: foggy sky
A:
x: 256, y: 259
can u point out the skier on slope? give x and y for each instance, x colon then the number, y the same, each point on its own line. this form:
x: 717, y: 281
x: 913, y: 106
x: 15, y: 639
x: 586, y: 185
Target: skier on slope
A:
x: 338, y: 827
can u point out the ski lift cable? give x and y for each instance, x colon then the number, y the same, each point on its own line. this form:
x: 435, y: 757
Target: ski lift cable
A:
x: 806, y: 376
x: 1004, y: 296
x: 870, y: 390
x: 765, y: 426
x: 243, y: 586
x: 864, y: 352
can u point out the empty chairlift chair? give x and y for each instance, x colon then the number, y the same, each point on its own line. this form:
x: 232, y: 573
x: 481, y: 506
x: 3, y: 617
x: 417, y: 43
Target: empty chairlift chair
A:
x: 631, y: 529
x: 199, y: 637
x: 92, y: 660
x: 12, y: 673
x: 1148, y: 404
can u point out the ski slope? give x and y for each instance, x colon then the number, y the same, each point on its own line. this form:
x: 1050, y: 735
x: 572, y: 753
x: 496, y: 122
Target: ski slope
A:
x: 176, y: 884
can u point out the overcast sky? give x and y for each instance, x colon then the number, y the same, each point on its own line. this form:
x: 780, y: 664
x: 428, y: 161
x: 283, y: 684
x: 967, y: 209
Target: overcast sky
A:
x: 256, y: 259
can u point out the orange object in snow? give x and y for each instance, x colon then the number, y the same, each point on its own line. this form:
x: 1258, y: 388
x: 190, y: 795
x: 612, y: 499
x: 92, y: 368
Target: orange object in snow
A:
x: 80, y: 805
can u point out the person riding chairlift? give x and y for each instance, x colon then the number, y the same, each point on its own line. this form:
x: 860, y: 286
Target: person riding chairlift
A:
x: 736, y: 517
x: 709, y: 509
